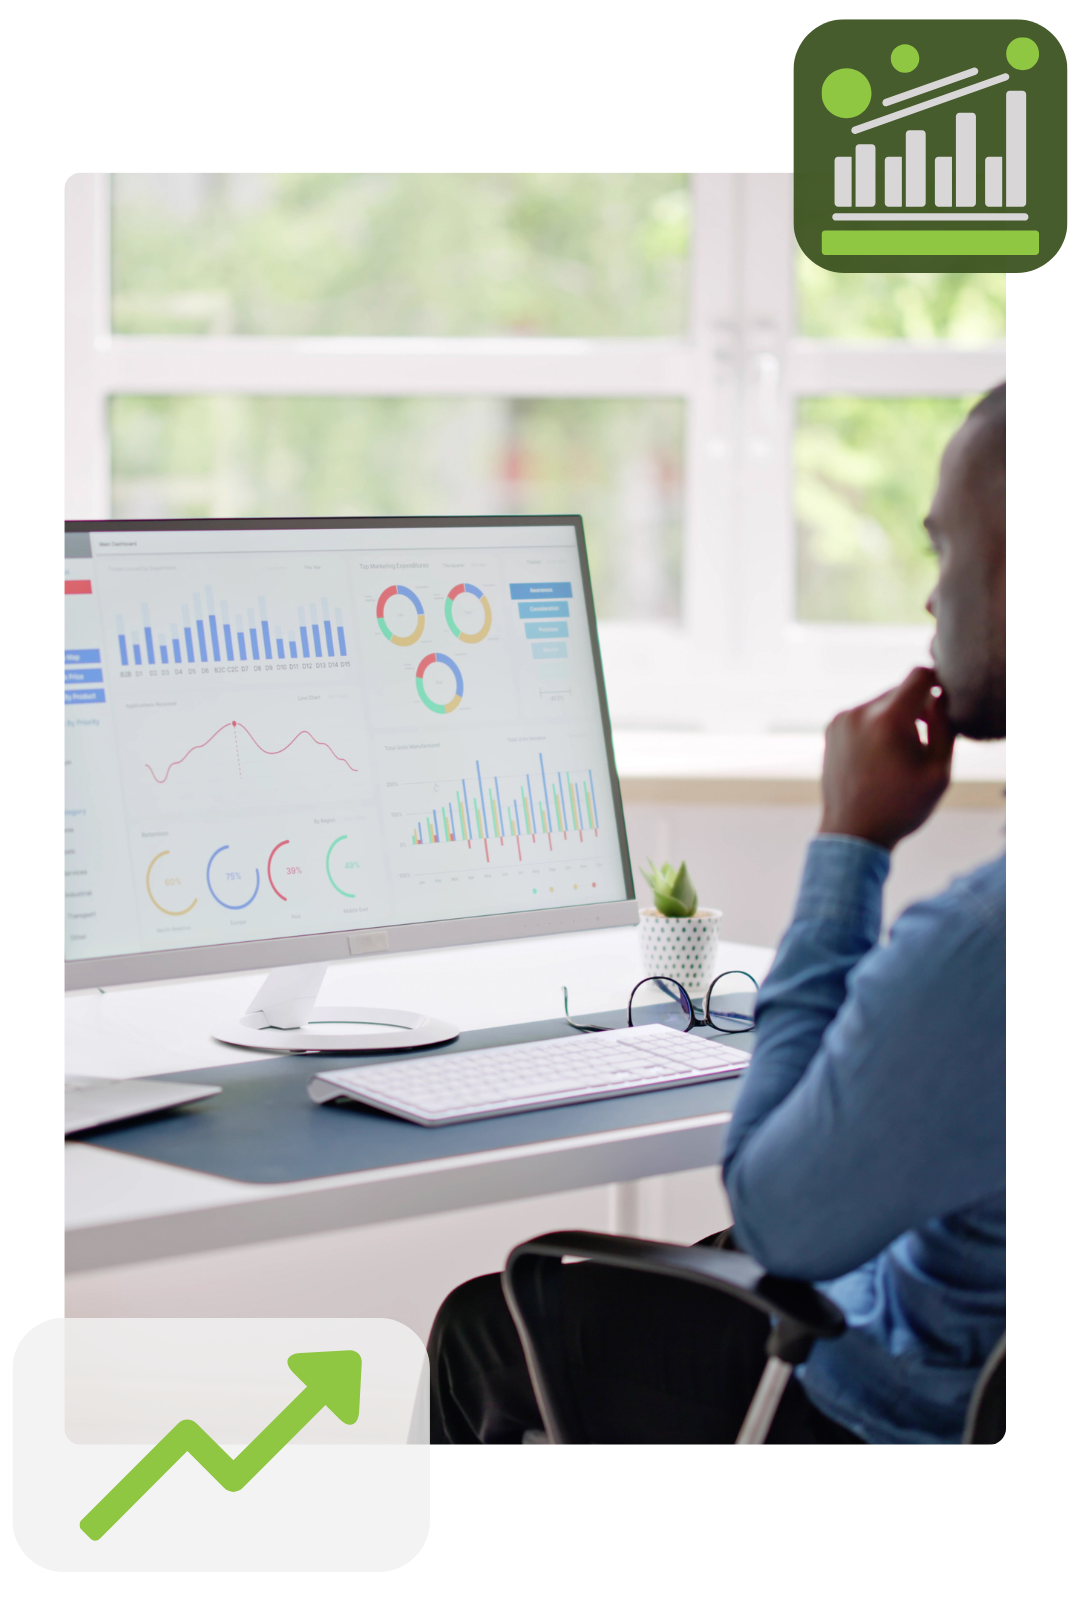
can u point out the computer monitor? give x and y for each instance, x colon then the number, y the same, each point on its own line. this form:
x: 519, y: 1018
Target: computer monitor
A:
x: 291, y: 741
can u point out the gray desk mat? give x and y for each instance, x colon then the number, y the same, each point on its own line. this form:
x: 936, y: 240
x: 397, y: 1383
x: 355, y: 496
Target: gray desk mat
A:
x: 263, y: 1127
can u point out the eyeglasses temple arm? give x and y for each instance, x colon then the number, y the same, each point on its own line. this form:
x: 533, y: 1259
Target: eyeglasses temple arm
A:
x: 577, y: 1024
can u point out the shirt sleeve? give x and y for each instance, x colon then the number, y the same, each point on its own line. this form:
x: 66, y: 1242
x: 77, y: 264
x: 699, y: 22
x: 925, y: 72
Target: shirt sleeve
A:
x: 875, y: 1098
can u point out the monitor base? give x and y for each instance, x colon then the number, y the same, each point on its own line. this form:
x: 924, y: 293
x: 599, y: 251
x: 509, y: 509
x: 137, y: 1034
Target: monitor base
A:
x: 342, y: 1031
x: 283, y: 1018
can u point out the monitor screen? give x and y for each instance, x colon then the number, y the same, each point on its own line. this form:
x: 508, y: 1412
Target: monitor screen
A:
x: 283, y: 730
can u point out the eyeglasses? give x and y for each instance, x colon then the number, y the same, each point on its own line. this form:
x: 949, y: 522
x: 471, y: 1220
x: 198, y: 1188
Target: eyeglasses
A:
x: 661, y: 1000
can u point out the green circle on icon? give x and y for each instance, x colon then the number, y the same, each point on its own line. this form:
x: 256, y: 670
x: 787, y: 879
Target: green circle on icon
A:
x: 1022, y: 54
x: 846, y: 92
x: 905, y: 58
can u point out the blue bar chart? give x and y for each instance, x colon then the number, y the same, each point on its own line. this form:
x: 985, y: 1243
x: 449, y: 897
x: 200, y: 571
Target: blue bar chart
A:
x: 209, y: 630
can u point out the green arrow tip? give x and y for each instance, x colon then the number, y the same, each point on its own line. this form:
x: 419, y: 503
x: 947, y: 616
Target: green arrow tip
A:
x: 334, y: 1378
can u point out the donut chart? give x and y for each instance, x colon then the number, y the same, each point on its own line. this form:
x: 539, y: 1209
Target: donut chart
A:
x: 448, y: 612
x: 401, y: 639
x: 421, y: 670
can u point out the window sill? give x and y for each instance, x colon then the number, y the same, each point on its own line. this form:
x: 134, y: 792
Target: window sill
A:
x: 770, y: 768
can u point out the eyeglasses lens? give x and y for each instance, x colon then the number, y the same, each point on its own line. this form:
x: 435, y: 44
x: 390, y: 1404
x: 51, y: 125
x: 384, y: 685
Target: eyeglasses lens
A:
x: 729, y: 1003
x: 661, y: 1001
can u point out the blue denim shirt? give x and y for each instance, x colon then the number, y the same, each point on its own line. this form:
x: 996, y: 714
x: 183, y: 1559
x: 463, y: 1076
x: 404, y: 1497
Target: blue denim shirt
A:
x: 867, y: 1148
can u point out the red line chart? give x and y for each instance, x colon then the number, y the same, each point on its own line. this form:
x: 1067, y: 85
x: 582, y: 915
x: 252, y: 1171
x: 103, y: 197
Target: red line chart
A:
x: 236, y: 727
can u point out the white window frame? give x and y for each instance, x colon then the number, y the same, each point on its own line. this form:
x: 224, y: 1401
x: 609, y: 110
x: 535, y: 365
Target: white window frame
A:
x: 738, y: 660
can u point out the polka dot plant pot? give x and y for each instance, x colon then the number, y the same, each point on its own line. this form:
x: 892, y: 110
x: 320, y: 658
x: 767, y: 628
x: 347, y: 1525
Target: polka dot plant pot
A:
x: 683, y: 947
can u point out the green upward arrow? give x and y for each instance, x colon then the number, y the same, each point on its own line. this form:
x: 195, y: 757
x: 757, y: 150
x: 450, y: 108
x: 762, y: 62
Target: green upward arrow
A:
x: 331, y: 1380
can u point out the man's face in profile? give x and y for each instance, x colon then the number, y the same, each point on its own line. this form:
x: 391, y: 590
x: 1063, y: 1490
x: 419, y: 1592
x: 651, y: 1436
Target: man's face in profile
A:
x: 966, y: 524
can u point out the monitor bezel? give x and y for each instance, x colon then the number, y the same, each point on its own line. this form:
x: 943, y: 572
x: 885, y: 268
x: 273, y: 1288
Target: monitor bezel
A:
x: 213, y: 959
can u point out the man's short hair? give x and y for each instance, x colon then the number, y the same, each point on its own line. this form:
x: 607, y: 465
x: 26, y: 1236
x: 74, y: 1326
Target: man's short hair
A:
x: 989, y: 417
x: 991, y: 408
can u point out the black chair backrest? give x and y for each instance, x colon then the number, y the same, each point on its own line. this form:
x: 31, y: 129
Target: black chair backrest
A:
x: 532, y: 1283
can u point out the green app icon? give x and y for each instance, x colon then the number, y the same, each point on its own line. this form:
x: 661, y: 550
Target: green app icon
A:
x: 930, y: 146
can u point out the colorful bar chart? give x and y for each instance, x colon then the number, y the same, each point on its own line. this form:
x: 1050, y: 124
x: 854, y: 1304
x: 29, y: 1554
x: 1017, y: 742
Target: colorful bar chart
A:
x: 536, y: 806
x: 211, y: 631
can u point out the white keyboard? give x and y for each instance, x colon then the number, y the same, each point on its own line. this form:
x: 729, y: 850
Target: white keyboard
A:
x: 439, y: 1089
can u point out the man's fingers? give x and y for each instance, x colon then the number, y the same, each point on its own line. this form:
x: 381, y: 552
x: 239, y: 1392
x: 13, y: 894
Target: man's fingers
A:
x: 940, y: 735
x: 914, y: 690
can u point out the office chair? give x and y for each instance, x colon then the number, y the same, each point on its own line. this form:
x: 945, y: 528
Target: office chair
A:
x: 799, y: 1314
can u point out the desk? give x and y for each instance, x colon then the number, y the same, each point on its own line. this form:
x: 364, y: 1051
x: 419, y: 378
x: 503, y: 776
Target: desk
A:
x: 149, y: 1238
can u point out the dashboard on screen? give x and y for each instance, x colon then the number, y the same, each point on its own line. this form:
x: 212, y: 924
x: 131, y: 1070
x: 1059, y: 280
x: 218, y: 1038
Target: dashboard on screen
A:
x: 275, y: 730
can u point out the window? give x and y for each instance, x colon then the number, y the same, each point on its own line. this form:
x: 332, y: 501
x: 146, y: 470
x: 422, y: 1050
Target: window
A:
x: 961, y: 308
x: 316, y: 255
x: 619, y: 462
x: 751, y: 441
x: 865, y: 472
x: 866, y: 467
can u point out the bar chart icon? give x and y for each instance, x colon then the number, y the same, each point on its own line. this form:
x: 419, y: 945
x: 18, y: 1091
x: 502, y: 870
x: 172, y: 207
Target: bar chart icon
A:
x: 944, y: 148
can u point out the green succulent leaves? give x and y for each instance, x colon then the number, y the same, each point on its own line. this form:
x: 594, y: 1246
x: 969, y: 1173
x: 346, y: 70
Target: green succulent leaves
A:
x: 674, y: 894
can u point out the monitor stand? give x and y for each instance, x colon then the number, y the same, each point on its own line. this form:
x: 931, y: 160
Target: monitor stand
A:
x: 283, y: 1017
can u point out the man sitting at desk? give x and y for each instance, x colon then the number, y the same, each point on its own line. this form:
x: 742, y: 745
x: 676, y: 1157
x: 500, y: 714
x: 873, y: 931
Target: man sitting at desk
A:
x: 867, y: 1149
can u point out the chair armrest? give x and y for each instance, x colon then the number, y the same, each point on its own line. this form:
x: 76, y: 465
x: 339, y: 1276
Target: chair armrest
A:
x: 737, y: 1274
x: 986, y: 1411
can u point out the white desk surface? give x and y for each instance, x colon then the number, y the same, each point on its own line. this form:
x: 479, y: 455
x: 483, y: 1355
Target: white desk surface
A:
x: 122, y: 1209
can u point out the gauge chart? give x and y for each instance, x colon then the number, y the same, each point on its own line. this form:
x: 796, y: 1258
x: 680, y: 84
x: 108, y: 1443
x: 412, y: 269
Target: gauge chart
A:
x: 272, y: 875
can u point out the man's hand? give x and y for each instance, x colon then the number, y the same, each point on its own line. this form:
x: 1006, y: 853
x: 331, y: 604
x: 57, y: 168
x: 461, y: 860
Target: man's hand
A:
x: 881, y: 781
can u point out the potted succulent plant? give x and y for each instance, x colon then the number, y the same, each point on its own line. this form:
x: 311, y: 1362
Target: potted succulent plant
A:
x: 677, y: 937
